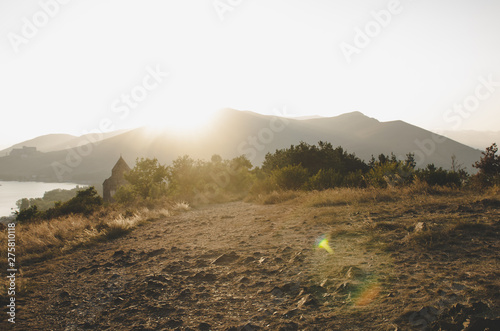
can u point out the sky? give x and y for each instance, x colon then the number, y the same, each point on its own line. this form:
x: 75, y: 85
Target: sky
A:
x: 73, y: 66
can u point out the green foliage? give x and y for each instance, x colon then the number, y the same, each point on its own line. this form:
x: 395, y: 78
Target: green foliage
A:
x: 85, y: 202
x: 439, y: 176
x: 290, y: 177
x: 125, y: 194
x: 48, y: 200
x: 28, y: 214
x: 326, y: 179
x: 314, y: 158
x: 389, y: 172
x: 147, y: 179
x: 489, y: 167
x: 190, y: 179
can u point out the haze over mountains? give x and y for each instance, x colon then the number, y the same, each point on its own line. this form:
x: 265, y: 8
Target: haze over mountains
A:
x: 476, y: 139
x: 56, y: 142
x: 232, y: 133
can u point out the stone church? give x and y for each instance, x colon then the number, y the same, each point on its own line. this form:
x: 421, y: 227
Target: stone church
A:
x: 113, y: 183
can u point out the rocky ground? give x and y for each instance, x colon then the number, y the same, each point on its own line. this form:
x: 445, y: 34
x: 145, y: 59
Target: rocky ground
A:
x: 243, y: 266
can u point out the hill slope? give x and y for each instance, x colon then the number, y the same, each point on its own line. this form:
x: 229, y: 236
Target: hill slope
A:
x: 233, y: 133
x: 241, y: 266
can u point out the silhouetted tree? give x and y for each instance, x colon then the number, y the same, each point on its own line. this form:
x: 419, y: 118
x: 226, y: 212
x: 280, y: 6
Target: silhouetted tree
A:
x: 489, y: 166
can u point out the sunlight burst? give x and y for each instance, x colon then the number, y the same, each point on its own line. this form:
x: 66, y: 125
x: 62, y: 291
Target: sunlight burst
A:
x: 181, y: 122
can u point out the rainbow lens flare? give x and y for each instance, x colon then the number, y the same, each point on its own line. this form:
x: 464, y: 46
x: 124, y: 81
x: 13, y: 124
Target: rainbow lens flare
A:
x: 323, y: 243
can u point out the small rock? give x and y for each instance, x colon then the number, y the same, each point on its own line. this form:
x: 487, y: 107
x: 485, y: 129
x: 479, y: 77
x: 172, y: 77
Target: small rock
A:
x: 64, y: 294
x: 244, y: 280
x: 156, y: 252
x: 204, y: 327
x: 226, y: 259
x: 420, y: 226
x: 307, y: 301
x: 291, y: 326
x: 118, y: 253
x: 248, y: 327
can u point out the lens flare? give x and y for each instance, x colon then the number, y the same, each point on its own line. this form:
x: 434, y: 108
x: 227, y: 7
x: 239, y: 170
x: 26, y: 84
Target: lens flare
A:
x: 368, y: 295
x: 323, y: 243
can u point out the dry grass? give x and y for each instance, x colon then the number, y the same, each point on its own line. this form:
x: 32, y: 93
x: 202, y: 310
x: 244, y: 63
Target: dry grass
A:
x: 275, y: 197
x: 181, y: 206
x: 42, y: 240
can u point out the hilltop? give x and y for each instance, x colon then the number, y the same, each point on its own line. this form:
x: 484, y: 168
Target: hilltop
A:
x: 233, y: 133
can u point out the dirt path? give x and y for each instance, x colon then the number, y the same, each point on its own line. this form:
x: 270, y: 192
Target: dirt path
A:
x: 241, y: 266
x: 233, y: 265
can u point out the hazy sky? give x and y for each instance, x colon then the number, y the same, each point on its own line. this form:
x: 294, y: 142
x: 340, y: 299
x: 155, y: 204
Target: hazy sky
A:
x: 73, y: 66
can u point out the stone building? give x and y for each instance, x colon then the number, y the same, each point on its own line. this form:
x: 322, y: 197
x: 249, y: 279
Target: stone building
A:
x: 113, y: 183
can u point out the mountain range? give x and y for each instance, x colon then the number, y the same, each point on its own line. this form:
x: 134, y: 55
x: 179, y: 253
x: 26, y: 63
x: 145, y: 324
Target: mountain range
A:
x: 231, y: 133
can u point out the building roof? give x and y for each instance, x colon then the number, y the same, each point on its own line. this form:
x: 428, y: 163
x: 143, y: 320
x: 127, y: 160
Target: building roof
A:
x: 120, y: 167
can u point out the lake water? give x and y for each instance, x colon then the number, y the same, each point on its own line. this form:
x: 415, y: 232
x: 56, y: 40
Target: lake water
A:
x: 10, y: 192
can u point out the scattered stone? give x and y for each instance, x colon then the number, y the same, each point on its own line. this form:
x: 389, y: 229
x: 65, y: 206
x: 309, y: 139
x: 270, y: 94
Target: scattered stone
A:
x: 204, y: 277
x: 244, y: 280
x: 152, y: 284
x: 204, y: 327
x: 307, y: 301
x: 156, y: 252
x: 118, y: 253
x: 277, y: 292
x: 248, y: 259
x: 226, y: 259
x: 419, y: 227
x: 291, y: 326
x: 186, y: 293
x: 457, y: 286
x: 63, y: 294
x: 248, y: 327
x: 173, y: 323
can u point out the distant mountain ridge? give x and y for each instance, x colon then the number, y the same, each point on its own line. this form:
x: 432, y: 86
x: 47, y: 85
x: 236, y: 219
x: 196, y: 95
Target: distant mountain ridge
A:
x: 233, y: 133
x: 57, y: 141
x: 475, y: 139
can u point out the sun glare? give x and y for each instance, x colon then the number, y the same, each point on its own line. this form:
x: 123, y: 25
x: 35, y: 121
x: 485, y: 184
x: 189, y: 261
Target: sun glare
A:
x: 181, y: 122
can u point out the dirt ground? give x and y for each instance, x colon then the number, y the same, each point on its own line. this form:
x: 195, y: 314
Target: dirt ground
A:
x: 245, y: 266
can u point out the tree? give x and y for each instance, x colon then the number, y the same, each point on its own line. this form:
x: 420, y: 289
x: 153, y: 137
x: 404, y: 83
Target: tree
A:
x: 147, y: 178
x: 85, y: 202
x: 489, y: 166
x: 291, y: 177
x: 23, y: 204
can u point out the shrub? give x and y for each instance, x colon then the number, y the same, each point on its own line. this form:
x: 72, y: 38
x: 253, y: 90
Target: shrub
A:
x: 291, y: 177
x: 125, y: 194
x: 389, y: 173
x: 85, y: 202
x: 489, y: 168
x: 325, y: 179
x: 147, y: 179
x: 438, y: 176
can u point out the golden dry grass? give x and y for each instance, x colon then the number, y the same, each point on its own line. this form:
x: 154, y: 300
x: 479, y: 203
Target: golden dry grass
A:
x: 44, y: 239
